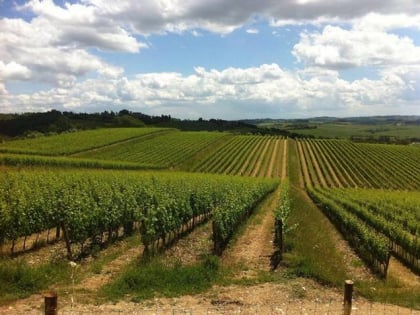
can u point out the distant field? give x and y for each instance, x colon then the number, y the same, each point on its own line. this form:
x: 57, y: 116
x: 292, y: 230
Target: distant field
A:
x: 346, y: 130
x: 69, y: 143
x: 341, y: 163
x: 164, y: 150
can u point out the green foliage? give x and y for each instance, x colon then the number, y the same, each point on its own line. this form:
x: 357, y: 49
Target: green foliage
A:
x: 234, y: 206
x: 88, y: 204
x: 237, y: 156
x: 29, y: 160
x: 281, y: 217
x: 395, y: 215
x: 374, y: 248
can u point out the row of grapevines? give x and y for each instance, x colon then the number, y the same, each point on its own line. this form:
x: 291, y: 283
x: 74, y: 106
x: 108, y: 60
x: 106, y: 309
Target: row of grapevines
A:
x: 88, y: 204
x: 242, y: 155
x: 281, y: 217
x: 383, y: 219
x: 340, y: 163
x: 165, y: 150
x: 58, y: 161
x: 372, y: 246
x: 236, y: 206
x: 73, y: 142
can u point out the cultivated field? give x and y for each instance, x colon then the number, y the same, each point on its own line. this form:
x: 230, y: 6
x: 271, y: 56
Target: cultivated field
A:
x: 225, y: 202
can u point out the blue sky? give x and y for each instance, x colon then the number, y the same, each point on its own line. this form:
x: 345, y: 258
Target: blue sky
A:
x: 211, y: 58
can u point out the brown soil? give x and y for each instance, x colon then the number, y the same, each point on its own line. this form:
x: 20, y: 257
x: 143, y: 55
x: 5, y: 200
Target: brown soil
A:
x: 252, y: 250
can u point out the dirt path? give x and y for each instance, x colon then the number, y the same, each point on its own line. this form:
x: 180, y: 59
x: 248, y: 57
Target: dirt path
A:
x: 252, y: 251
x: 110, y: 270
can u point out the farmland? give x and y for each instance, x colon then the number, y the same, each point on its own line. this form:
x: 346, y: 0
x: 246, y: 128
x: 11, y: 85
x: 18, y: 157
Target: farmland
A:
x: 341, y: 163
x: 165, y: 150
x: 69, y: 143
x: 57, y: 191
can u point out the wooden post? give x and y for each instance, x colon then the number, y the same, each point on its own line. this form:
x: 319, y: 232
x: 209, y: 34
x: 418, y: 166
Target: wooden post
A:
x: 50, y: 299
x: 348, y: 296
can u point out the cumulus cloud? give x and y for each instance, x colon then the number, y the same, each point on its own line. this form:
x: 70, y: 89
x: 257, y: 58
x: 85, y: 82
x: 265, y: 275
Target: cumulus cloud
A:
x: 336, y: 47
x: 150, y: 16
x: 29, y: 51
x: 13, y: 71
x: 266, y: 89
x: 58, y: 45
x: 81, y: 26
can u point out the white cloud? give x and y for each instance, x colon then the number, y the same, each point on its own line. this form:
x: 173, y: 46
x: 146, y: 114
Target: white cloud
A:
x: 31, y: 49
x: 81, y: 26
x: 252, y: 31
x: 116, y: 18
x: 336, y: 47
x: 13, y: 71
x: 261, y: 91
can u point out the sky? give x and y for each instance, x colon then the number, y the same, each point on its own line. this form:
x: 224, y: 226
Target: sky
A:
x: 225, y: 59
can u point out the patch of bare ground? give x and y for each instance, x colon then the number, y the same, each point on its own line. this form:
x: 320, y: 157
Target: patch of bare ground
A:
x: 404, y: 275
x: 297, y: 296
x: 94, y: 281
x: 190, y: 249
x: 252, y: 250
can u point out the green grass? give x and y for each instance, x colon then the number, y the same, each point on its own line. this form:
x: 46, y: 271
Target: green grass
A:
x: 146, y: 279
x: 19, y: 280
x: 311, y: 246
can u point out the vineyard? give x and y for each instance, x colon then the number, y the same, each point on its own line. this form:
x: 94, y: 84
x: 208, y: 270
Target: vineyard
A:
x: 257, y: 156
x: 164, y: 150
x: 86, y: 206
x: 378, y: 223
x: 85, y: 190
x: 70, y: 143
x: 340, y: 163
